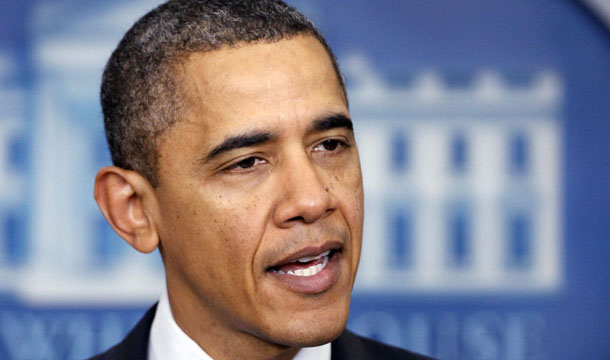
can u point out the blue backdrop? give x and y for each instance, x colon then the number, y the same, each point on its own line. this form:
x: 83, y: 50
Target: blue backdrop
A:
x: 483, y: 128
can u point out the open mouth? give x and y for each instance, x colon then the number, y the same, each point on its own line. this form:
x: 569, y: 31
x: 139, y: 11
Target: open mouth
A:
x: 305, y: 266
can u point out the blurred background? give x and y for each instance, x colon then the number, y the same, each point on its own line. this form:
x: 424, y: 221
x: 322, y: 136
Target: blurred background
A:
x: 484, y: 133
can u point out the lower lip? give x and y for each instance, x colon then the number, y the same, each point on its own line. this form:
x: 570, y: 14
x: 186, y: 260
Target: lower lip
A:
x: 317, y: 283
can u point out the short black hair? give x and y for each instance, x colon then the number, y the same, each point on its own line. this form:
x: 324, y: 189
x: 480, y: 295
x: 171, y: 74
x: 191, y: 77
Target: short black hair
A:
x: 140, y: 94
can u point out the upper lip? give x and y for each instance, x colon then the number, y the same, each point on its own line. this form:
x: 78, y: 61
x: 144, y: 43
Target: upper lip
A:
x: 309, y: 251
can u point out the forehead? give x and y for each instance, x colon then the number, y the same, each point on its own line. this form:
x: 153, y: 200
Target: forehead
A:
x: 257, y: 82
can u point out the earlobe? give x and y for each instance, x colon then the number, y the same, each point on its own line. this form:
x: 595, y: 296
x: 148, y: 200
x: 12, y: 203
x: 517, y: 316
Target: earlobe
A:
x: 128, y: 202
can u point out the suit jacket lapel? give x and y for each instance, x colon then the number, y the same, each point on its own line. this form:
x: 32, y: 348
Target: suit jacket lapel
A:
x: 135, y: 344
x: 347, y: 347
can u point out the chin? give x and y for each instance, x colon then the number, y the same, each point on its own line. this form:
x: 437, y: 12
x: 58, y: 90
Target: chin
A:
x: 323, y: 337
x: 313, y: 331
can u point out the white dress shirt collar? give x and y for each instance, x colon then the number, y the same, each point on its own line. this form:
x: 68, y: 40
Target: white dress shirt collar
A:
x: 168, y: 341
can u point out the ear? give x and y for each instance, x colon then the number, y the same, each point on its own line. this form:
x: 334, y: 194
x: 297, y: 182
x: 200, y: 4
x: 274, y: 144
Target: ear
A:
x: 128, y: 202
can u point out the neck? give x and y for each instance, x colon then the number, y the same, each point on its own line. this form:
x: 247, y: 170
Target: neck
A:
x: 218, y: 341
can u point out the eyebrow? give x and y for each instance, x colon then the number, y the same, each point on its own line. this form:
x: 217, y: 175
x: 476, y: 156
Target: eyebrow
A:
x: 240, y: 141
x: 332, y: 122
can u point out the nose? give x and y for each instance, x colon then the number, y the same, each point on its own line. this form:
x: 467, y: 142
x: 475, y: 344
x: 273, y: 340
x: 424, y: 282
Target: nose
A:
x: 303, y: 197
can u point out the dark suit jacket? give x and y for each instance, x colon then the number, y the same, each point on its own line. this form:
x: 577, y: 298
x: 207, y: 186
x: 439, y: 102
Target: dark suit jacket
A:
x: 347, y: 347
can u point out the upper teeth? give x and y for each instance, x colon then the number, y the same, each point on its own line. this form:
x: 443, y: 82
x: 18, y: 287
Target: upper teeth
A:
x: 310, y: 271
x: 305, y: 259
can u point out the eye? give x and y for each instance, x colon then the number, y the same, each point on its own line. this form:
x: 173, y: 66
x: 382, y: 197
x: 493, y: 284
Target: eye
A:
x: 330, y: 145
x: 245, y: 164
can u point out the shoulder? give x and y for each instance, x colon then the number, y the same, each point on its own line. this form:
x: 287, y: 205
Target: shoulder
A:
x: 135, y: 344
x: 352, y: 346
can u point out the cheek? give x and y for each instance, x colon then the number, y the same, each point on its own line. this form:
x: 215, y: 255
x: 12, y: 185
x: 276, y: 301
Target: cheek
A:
x: 211, y: 245
x: 350, y: 191
x: 231, y: 223
x: 347, y: 185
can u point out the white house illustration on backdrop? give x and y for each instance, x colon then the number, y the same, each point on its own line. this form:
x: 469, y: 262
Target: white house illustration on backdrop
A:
x: 462, y: 184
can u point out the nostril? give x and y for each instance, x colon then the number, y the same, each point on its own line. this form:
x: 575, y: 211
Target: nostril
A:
x: 297, y: 218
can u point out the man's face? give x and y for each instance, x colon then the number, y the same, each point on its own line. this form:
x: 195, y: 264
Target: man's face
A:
x: 261, y: 196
